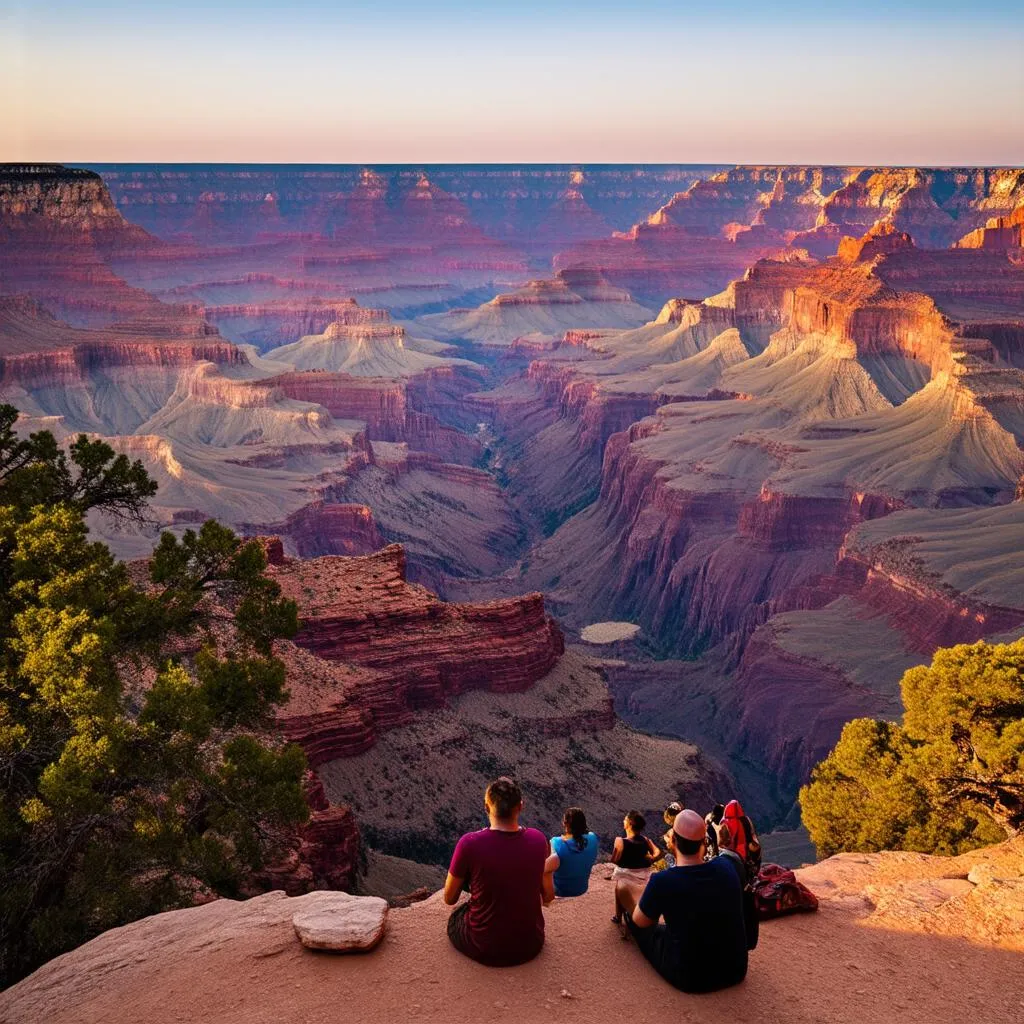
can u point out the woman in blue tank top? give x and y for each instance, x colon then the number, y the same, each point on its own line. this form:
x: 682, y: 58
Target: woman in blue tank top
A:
x: 572, y: 854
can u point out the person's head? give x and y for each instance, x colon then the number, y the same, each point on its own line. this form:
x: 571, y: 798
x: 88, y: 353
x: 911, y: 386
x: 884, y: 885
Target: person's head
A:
x: 671, y: 811
x: 731, y: 829
x: 732, y: 811
x: 634, y: 823
x: 503, y: 799
x: 689, y: 835
x: 716, y: 813
x: 574, y: 823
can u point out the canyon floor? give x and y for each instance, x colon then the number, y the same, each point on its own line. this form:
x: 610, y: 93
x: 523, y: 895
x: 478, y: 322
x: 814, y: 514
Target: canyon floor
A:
x: 898, y: 937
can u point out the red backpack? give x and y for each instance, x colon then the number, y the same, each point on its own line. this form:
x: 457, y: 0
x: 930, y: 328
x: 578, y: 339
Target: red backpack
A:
x: 777, y: 892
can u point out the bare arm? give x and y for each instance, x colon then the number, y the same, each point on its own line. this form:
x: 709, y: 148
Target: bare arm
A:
x: 617, y: 850
x: 547, y: 888
x: 547, y: 881
x: 653, y: 853
x: 453, y: 889
x: 640, y: 919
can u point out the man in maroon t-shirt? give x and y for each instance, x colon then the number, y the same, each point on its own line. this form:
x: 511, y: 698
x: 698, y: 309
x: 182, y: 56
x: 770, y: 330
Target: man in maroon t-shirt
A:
x: 501, y: 924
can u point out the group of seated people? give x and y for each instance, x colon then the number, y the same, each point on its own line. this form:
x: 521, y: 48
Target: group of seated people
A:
x: 511, y: 871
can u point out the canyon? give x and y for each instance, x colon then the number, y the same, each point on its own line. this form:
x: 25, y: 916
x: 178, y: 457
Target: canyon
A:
x: 771, y: 418
x: 385, y: 674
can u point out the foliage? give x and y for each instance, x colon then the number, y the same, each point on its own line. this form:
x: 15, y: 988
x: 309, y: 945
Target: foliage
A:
x: 949, y: 778
x: 136, y: 770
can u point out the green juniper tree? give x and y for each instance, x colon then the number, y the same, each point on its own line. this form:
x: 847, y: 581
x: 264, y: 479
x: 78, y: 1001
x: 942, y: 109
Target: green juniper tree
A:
x: 130, y: 780
x: 949, y: 778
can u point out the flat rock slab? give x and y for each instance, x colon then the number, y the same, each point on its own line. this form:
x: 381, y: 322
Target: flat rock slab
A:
x: 340, y: 922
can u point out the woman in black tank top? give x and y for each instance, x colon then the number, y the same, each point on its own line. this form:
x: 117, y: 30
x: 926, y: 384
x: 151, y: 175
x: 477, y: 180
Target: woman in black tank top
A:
x: 636, y: 853
x: 633, y: 854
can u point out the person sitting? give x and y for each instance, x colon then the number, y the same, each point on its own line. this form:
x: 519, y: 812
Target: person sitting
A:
x: 633, y: 854
x: 572, y: 855
x: 502, y: 923
x: 736, y: 832
x: 702, y: 946
x: 713, y: 820
x: 668, y: 817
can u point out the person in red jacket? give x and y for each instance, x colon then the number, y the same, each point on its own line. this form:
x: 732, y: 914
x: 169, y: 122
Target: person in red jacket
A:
x: 736, y: 832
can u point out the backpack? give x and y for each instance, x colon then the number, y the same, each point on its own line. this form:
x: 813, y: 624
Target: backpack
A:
x: 776, y: 891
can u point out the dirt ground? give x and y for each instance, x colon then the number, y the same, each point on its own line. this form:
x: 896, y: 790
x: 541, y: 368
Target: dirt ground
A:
x: 850, y: 963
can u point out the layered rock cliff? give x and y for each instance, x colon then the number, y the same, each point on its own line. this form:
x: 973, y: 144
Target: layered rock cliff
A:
x: 384, y: 673
x: 695, y: 243
x: 544, y: 308
x: 364, y: 612
x: 808, y: 400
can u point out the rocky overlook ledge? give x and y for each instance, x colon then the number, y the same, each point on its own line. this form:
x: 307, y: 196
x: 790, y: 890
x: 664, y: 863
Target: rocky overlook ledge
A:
x: 899, y: 937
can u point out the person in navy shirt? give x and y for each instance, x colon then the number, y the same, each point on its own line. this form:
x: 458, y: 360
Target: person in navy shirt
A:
x: 572, y: 854
x: 702, y: 946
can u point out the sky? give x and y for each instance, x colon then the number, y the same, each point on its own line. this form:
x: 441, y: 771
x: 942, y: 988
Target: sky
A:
x: 435, y: 81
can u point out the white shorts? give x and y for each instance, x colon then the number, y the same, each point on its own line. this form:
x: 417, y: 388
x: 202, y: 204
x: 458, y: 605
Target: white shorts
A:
x: 639, y: 875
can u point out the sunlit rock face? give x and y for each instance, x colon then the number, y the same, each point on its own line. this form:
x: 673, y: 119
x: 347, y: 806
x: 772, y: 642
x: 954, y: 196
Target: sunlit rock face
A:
x: 418, y: 651
x: 776, y: 424
x: 808, y: 407
x: 706, y: 235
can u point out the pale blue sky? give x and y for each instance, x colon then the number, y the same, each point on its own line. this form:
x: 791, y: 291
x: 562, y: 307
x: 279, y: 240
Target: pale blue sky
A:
x: 897, y: 82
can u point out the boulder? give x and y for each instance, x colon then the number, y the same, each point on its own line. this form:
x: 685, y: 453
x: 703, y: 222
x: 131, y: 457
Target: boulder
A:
x: 340, y: 922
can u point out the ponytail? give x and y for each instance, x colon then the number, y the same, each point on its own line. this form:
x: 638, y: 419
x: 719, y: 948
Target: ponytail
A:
x: 574, y: 823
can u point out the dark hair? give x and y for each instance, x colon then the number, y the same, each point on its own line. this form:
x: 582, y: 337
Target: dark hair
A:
x: 574, y: 822
x: 504, y: 796
x: 636, y: 821
x: 686, y: 847
x: 717, y: 813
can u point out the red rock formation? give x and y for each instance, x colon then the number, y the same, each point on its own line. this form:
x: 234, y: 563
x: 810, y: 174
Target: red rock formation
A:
x: 362, y: 611
x: 271, y: 324
x: 57, y: 227
x: 326, y: 529
x: 702, y: 543
x: 385, y: 406
x: 37, y: 350
x: 327, y: 850
x: 708, y: 234
x: 926, y: 613
x: 50, y: 203
x: 882, y: 238
x: 330, y: 844
x: 998, y: 233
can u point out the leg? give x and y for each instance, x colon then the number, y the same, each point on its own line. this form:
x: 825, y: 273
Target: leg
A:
x: 660, y: 950
x: 457, y: 928
x: 627, y: 896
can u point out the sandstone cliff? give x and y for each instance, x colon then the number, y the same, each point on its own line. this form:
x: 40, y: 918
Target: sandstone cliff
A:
x: 808, y: 400
x: 545, y: 307
x: 722, y: 223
